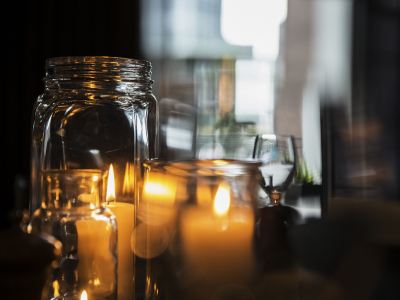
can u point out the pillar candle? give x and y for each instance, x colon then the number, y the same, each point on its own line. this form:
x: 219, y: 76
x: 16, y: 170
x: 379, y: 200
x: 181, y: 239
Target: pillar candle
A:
x: 217, y: 242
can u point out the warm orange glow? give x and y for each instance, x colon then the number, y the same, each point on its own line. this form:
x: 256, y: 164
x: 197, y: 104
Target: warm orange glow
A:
x: 93, y: 189
x: 84, y: 295
x: 220, y: 162
x: 204, y: 194
x: 156, y: 188
x: 160, y: 187
x: 158, y: 199
x: 127, y: 187
x: 222, y: 200
x: 96, y: 282
x: 110, y: 195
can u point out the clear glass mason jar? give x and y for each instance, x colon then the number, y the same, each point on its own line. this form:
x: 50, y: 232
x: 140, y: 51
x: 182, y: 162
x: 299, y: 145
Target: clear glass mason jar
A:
x: 195, y: 228
x: 85, y: 233
x: 94, y: 111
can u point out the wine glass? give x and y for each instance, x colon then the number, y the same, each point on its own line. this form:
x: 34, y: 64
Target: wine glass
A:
x: 278, y: 155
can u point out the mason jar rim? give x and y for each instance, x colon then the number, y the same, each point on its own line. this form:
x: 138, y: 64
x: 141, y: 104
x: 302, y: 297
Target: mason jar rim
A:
x: 91, y: 60
x: 97, y: 74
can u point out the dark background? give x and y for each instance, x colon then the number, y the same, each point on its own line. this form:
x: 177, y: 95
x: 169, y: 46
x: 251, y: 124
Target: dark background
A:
x: 33, y: 31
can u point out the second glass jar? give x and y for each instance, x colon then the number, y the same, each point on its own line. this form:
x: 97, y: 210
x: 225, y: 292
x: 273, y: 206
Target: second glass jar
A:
x: 195, y: 228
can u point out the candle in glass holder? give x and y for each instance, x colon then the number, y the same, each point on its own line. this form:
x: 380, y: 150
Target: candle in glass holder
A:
x: 217, y: 243
x: 124, y: 212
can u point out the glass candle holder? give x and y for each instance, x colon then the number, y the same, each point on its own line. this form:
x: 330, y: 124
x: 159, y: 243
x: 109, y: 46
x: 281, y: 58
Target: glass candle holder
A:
x: 84, y: 230
x: 194, y: 230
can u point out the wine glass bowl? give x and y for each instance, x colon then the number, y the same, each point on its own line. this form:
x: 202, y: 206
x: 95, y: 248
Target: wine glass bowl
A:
x: 278, y: 156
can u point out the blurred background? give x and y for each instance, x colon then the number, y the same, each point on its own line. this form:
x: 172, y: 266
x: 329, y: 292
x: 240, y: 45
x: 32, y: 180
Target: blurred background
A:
x: 325, y: 72
x: 224, y: 71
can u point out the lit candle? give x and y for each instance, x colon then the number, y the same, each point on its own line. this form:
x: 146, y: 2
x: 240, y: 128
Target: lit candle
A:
x: 217, y: 244
x: 124, y: 212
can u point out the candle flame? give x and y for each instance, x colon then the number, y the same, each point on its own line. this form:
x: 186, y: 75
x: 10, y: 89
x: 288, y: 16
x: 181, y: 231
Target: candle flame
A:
x: 222, y: 200
x: 84, y: 295
x: 110, y: 195
x: 56, y: 288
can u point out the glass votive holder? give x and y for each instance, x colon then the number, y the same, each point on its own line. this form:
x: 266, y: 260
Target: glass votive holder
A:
x: 195, y: 227
x: 72, y: 213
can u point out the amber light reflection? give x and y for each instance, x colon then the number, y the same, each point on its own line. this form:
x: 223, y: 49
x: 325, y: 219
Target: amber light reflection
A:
x: 110, y: 195
x: 160, y: 188
x: 128, y: 184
